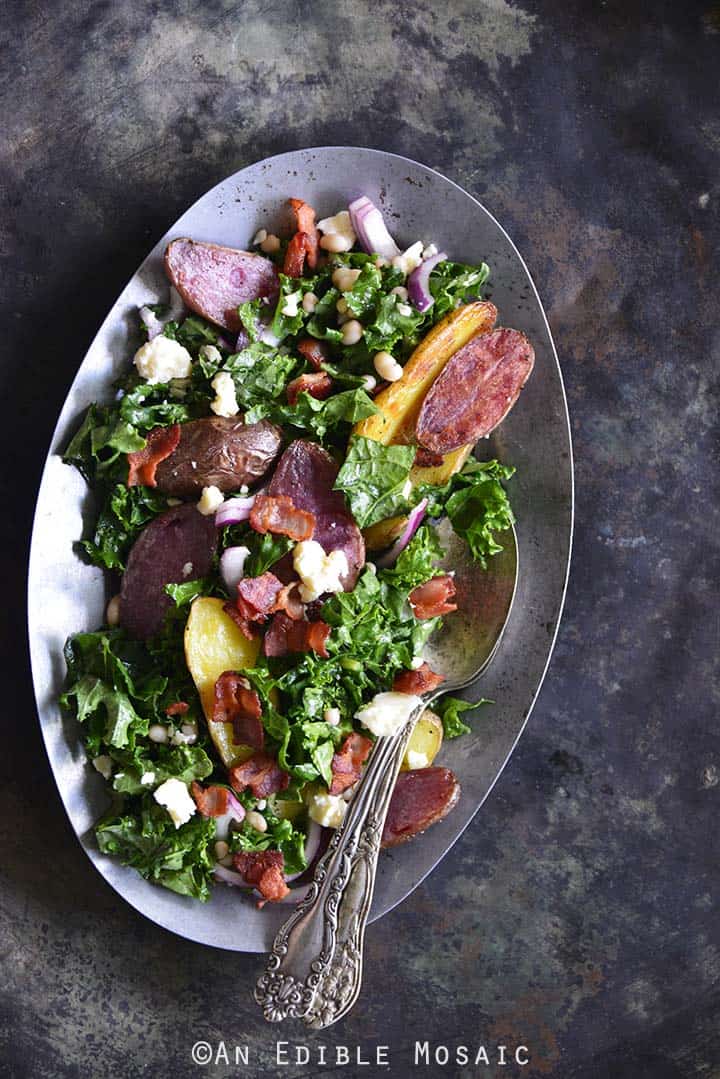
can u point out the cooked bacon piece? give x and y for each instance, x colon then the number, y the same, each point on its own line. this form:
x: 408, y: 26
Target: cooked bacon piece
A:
x: 314, y: 351
x: 318, y: 385
x: 420, y: 798
x: 286, y: 634
x: 161, y: 442
x: 432, y: 598
x: 263, y: 869
x: 418, y: 681
x: 306, y: 224
x: 179, y: 708
x: 261, y: 774
x: 257, y: 596
x: 249, y: 629
x: 295, y: 255
x: 235, y: 702
x: 211, y: 801
x: 347, y: 762
x: 288, y: 600
x: 278, y: 514
x: 427, y: 459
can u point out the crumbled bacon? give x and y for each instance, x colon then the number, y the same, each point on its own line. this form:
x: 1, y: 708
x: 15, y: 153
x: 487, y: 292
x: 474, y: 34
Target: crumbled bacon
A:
x: 257, y: 596
x: 314, y: 351
x: 278, y: 514
x: 211, y: 801
x: 235, y: 702
x: 263, y: 869
x: 432, y: 598
x: 425, y: 458
x: 421, y: 680
x: 286, y: 634
x: 179, y: 708
x: 142, y: 464
x: 305, y: 216
x: 318, y: 385
x: 295, y: 255
x: 249, y: 629
x: 288, y: 600
x: 261, y: 774
x: 347, y: 762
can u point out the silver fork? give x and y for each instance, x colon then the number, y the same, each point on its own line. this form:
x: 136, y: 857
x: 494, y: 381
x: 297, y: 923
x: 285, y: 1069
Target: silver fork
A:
x: 314, y: 971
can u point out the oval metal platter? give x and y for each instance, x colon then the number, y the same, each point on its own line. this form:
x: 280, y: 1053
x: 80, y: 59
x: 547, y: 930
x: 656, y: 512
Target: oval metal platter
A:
x: 66, y: 596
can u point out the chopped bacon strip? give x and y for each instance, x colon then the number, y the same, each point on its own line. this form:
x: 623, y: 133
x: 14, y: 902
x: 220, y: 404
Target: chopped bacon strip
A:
x: 427, y: 459
x: 261, y: 774
x: 286, y: 634
x: 295, y: 255
x: 235, y: 702
x: 211, y: 801
x: 257, y: 596
x: 249, y: 629
x: 432, y: 598
x: 263, y: 869
x: 161, y: 442
x: 314, y: 351
x: 278, y: 514
x: 288, y: 600
x: 347, y: 762
x: 306, y: 224
x: 318, y: 385
x: 421, y: 680
x: 179, y: 708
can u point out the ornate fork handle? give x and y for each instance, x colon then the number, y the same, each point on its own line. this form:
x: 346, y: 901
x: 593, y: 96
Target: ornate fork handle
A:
x: 314, y: 970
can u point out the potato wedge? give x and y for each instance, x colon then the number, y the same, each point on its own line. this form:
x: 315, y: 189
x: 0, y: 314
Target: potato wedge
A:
x: 425, y: 742
x: 401, y: 401
x: 213, y: 644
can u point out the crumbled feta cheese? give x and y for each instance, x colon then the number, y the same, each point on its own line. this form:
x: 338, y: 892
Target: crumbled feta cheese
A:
x: 429, y: 252
x: 416, y: 663
x: 211, y: 500
x: 388, y: 712
x: 186, y: 736
x: 327, y: 810
x: 158, y: 733
x: 340, y: 225
x: 404, y: 309
x: 161, y: 359
x: 187, y: 569
x: 104, y: 765
x: 225, y: 403
x: 290, y: 307
x: 416, y: 760
x: 332, y: 716
x: 173, y: 796
x: 259, y: 237
x: 318, y: 572
x: 407, y: 488
x: 147, y: 779
x: 410, y: 259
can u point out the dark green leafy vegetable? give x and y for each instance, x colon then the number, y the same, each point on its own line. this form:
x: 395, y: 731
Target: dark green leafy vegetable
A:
x: 450, y: 709
x: 374, y: 478
x: 280, y: 835
x: 124, y: 515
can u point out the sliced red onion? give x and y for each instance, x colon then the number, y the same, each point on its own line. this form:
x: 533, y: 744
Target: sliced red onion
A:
x: 236, y: 812
x: 413, y: 523
x: 418, y: 283
x: 312, y: 845
x: 232, y: 567
x: 243, y: 340
x: 369, y: 225
x: 234, y: 510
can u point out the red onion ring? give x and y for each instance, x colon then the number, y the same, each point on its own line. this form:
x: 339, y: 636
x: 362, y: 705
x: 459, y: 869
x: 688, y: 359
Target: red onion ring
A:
x: 369, y: 225
x: 234, y: 510
x: 418, y: 284
x: 413, y: 523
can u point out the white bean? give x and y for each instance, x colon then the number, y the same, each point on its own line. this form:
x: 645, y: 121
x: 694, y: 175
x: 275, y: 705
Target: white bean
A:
x: 400, y: 291
x: 332, y: 716
x: 271, y: 244
x: 309, y: 302
x: 158, y: 733
x: 387, y: 366
x: 369, y: 383
x: 352, y: 331
x: 256, y: 820
x: 342, y: 306
x: 221, y: 849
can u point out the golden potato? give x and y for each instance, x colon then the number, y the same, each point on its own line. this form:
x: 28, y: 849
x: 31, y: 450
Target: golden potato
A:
x: 425, y: 742
x: 213, y: 644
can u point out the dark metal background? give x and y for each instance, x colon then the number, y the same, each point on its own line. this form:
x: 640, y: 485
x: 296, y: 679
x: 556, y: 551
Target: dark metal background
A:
x: 577, y: 914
